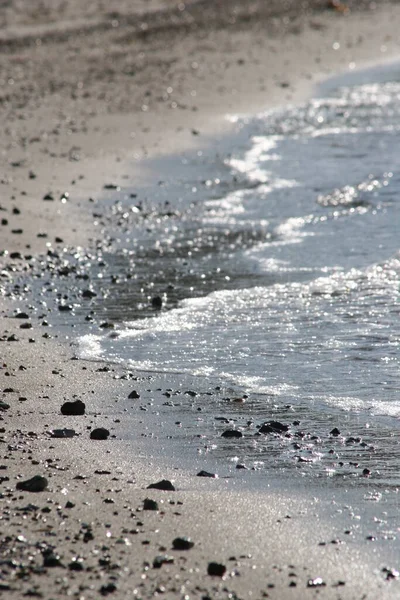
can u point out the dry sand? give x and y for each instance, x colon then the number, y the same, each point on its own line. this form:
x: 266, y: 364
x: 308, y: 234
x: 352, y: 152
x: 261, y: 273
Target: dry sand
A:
x: 86, y: 92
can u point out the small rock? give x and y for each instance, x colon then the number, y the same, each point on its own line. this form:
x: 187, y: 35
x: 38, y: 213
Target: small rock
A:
x: 335, y: 432
x: 182, y: 543
x: 76, y: 564
x: 149, y: 504
x: 216, y: 569
x: 37, y: 483
x: 51, y: 559
x: 162, y: 560
x: 63, y: 433
x: 164, y: 484
x: 108, y: 588
x: 134, y: 395
x: 207, y: 474
x: 156, y: 302
x: 391, y: 573
x: 65, y: 307
x: 100, y: 433
x: 88, y: 294
x: 273, y: 427
x: 76, y: 407
x: 48, y: 197
x: 232, y: 433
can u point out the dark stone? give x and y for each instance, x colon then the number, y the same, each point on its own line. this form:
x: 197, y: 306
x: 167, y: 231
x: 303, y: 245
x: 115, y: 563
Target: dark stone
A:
x: 182, y: 543
x: 134, y: 395
x: 156, y: 302
x: 37, y: 483
x: 63, y: 433
x: 149, y: 504
x: 353, y: 440
x: 51, y: 559
x: 335, y: 432
x: 48, y: 196
x: 273, y: 427
x: 163, y: 559
x: 108, y: 588
x: 88, y: 294
x: 391, y: 573
x: 232, y: 433
x: 100, y: 433
x: 366, y: 472
x: 76, y: 565
x: 207, y: 474
x: 164, y: 484
x: 76, y: 407
x: 216, y: 569
x: 65, y: 307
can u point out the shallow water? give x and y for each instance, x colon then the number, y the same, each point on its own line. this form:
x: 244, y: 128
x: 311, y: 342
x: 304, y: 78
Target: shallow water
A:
x: 278, y: 262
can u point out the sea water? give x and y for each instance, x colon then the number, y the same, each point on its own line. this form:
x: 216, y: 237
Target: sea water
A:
x: 277, y: 259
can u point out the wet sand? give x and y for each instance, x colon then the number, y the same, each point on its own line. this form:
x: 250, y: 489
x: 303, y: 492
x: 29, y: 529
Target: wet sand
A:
x: 87, y: 94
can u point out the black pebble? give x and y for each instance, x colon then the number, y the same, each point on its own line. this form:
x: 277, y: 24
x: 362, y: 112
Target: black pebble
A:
x: 73, y: 408
x: 65, y: 307
x: 100, y: 433
x: 37, y: 483
x: 216, y: 569
x: 232, y: 433
x: 335, y: 432
x: 88, y: 294
x: 108, y: 588
x: 164, y: 484
x: 51, y: 559
x: 161, y: 560
x: 134, y: 395
x: 76, y: 565
x: 207, y: 474
x: 149, y: 504
x: 182, y: 543
x: 273, y: 427
x: 156, y: 302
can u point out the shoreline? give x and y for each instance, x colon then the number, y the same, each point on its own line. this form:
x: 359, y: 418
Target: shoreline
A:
x: 40, y: 376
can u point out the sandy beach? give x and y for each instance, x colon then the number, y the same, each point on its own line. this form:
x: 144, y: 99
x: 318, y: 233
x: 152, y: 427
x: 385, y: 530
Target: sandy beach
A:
x: 87, y: 92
